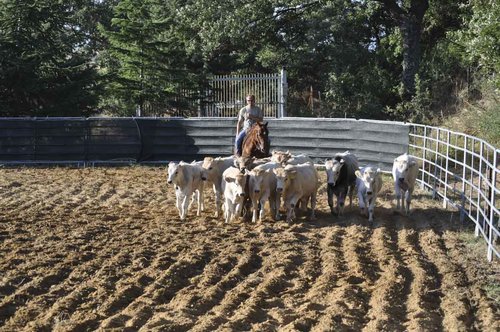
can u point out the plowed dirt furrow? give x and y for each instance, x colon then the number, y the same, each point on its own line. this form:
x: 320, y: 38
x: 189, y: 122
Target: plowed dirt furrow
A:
x: 48, y: 195
x: 135, y: 303
x: 53, y: 305
x: 352, y: 297
x: 103, y: 249
x: 12, y: 197
x: 18, y: 308
x: 308, y: 268
x: 247, y: 264
x: 455, y: 304
x: 390, y: 291
x: 425, y: 298
x: 325, y: 298
x: 486, y: 318
x: 104, y: 282
x: 330, y: 266
x: 176, y: 278
x: 62, y: 309
x: 278, y: 270
x: 186, y: 299
x: 233, y: 291
x: 80, y: 266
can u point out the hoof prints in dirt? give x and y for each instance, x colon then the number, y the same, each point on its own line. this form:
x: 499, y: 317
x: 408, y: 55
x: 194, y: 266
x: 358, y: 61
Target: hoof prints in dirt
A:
x: 104, y: 249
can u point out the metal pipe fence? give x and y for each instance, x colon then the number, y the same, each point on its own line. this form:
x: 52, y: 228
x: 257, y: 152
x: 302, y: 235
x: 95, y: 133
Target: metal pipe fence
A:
x: 460, y: 169
x: 226, y: 94
x: 463, y: 171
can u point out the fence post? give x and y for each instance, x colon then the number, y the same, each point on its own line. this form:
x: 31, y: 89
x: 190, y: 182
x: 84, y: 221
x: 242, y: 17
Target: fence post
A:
x: 35, y: 136
x: 434, y: 190
x: 283, y: 93
x: 492, y: 206
x: 423, y: 157
x: 479, y: 191
x: 465, y: 164
x: 445, y: 200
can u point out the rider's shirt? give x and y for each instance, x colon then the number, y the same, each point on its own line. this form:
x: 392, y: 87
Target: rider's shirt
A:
x: 256, y: 111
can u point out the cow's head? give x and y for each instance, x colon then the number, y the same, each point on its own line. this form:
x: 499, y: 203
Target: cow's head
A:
x: 403, y: 164
x: 280, y: 157
x: 209, y: 168
x: 256, y: 178
x: 332, y: 168
x: 243, y: 163
x: 284, y: 177
x: 175, y: 172
x: 240, y: 181
x: 368, y: 176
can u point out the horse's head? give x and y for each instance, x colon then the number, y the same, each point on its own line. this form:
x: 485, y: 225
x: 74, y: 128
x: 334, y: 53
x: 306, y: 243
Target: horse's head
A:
x: 262, y: 134
x: 263, y: 131
x: 256, y: 142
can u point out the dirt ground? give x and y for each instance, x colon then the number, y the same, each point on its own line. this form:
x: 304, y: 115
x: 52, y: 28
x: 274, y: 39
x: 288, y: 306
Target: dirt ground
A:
x: 103, y: 249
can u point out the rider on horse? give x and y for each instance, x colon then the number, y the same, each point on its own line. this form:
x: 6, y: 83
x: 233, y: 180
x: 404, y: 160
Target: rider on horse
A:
x: 247, y: 117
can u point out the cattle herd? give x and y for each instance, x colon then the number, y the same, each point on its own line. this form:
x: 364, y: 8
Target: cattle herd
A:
x: 243, y: 186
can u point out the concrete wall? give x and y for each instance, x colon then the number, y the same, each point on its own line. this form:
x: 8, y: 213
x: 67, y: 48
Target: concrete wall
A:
x: 163, y: 139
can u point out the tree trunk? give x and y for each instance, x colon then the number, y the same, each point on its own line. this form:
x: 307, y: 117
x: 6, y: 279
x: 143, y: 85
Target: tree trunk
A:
x: 411, y: 31
x: 409, y: 15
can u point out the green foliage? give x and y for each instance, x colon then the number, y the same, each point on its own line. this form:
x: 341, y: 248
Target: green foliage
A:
x: 146, y: 63
x: 343, y: 58
x: 481, y: 37
x: 46, y: 67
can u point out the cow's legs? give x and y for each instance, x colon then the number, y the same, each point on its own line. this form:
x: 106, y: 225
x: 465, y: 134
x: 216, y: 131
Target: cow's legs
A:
x: 408, y: 200
x: 263, y: 199
x: 272, y: 205
x: 330, y: 199
x: 255, y: 208
x: 218, y: 201
x: 199, y: 201
x: 351, y: 193
x: 341, y: 202
x: 403, y: 205
x: 239, y: 208
x: 178, y: 202
x: 362, y: 203
x: 184, y: 205
x: 397, y: 191
x: 201, y: 198
x: 228, y: 210
x: 277, y: 206
x: 371, y: 208
x: 313, y: 206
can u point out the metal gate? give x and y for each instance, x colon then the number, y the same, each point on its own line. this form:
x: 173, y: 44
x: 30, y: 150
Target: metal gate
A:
x: 464, y: 171
x: 226, y: 94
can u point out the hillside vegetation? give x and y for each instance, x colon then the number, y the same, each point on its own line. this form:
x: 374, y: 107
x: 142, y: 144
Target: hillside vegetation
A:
x: 414, y: 60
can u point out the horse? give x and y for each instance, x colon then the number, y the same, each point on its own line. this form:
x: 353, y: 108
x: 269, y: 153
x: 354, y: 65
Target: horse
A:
x: 256, y: 142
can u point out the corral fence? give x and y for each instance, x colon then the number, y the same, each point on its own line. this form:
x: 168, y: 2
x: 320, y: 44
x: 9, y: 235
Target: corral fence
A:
x: 460, y: 169
x: 226, y: 94
x: 463, y: 171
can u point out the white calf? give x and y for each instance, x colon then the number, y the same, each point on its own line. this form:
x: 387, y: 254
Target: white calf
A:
x: 249, y: 163
x: 404, y: 173
x: 233, y: 186
x: 298, y: 183
x: 262, y: 187
x: 213, y: 170
x: 369, y: 184
x: 286, y: 158
x: 187, y: 181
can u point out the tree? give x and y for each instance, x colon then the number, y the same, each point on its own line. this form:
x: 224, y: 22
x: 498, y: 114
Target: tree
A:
x: 147, y: 63
x: 408, y: 15
x: 45, y: 67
